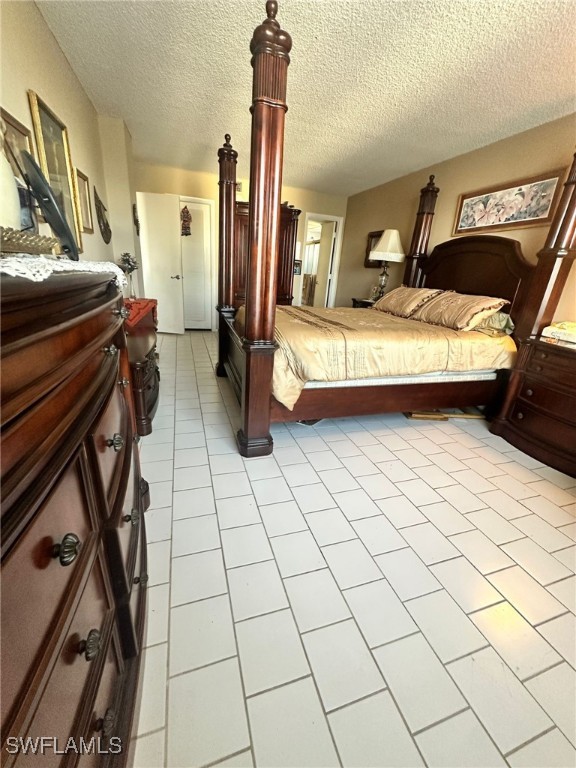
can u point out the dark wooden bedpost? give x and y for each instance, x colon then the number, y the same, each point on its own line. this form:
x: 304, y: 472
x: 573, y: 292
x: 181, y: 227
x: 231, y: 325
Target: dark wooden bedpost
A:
x: 227, y: 159
x: 554, y: 263
x: 421, y: 234
x: 270, y: 47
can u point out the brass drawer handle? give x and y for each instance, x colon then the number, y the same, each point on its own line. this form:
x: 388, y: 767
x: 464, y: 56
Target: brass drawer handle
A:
x: 123, y: 313
x: 520, y: 415
x: 133, y: 518
x: 529, y: 392
x: 116, y: 442
x: 68, y: 549
x: 107, y: 723
x: 112, y: 350
x: 124, y: 382
x: 90, y: 647
x: 142, y: 579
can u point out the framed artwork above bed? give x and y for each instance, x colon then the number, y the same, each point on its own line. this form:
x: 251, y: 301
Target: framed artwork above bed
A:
x: 524, y: 203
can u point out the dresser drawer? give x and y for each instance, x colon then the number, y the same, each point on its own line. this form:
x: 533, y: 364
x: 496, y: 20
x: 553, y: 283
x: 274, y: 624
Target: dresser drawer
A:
x: 104, y: 717
x: 44, y: 357
x: 554, y: 402
x: 547, y: 429
x: 58, y: 708
x: 110, y: 439
x: 550, y: 362
x: 41, y: 575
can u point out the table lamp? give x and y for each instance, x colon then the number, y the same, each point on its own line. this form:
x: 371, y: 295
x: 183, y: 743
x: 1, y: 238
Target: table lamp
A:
x: 388, y: 248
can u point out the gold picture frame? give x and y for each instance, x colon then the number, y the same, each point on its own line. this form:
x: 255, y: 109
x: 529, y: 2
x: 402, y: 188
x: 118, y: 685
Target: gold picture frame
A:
x: 524, y: 203
x: 84, y: 202
x: 55, y: 161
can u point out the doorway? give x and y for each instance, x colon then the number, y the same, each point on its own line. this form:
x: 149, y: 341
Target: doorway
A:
x: 321, y: 258
x: 177, y: 267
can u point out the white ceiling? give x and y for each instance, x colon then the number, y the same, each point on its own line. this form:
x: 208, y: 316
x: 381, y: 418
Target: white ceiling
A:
x: 376, y: 88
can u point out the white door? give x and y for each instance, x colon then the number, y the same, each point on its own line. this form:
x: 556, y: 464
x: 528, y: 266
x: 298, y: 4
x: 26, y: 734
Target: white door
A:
x: 161, y: 257
x: 196, y: 258
x: 324, y: 262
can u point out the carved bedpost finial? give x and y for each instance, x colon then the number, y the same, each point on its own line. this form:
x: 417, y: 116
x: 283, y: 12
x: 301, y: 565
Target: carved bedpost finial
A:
x: 227, y: 153
x: 269, y: 37
x: 431, y: 187
x: 271, y: 9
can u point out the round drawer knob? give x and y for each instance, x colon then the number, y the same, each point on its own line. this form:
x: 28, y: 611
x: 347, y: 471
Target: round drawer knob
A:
x: 520, y: 415
x: 91, y: 646
x: 68, y: 549
x: 529, y: 392
x: 142, y: 579
x: 133, y: 518
x: 112, y: 350
x: 106, y: 724
x: 542, y: 355
x: 116, y: 442
x: 538, y: 367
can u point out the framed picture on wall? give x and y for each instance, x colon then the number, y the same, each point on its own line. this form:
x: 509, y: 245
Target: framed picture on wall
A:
x: 523, y: 203
x: 84, y: 200
x: 17, y: 137
x: 373, y: 238
x: 55, y: 161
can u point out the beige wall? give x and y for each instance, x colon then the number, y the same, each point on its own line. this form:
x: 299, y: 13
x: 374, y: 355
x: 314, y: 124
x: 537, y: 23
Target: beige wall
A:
x: 177, y: 181
x: 394, y: 204
x: 31, y: 59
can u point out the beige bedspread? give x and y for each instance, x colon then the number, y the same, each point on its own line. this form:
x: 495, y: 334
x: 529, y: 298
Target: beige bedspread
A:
x: 341, y: 344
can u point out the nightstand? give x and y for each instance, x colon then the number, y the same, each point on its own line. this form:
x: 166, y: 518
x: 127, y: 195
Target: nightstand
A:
x: 539, y: 414
x: 362, y: 303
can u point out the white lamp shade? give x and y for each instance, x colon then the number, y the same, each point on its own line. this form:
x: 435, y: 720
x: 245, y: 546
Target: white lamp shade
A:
x: 388, y: 248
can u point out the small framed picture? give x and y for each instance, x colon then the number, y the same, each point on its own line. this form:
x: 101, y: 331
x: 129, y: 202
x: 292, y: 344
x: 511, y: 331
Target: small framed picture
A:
x: 373, y: 238
x: 17, y: 137
x: 297, y: 267
x: 84, y: 200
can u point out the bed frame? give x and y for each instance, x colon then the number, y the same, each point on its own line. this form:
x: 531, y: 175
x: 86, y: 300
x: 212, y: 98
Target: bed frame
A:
x: 482, y: 265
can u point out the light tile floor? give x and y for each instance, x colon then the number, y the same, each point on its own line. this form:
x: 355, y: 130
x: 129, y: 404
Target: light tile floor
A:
x: 378, y: 592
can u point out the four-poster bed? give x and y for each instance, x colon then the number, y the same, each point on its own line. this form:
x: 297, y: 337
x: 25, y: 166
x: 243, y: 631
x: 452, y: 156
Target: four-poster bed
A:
x: 477, y: 265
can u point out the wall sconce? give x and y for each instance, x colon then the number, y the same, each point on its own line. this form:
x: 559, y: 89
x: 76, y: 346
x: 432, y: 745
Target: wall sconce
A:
x: 388, y: 248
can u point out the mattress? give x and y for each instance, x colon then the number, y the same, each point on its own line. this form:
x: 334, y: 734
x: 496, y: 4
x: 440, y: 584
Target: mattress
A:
x: 342, y: 345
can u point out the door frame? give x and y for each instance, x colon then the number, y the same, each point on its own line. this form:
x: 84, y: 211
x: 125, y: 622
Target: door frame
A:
x: 213, y: 254
x: 339, y: 220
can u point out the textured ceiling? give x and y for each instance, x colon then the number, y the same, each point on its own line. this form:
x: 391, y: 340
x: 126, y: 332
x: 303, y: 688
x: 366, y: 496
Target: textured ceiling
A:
x: 376, y: 88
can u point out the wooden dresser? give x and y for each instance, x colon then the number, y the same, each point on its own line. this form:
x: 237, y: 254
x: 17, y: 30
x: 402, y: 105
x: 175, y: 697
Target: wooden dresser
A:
x: 140, y: 326
x: 539, y: 416
x: 73, y: 535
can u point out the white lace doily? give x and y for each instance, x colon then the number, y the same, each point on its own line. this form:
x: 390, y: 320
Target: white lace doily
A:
x: 38, y: 268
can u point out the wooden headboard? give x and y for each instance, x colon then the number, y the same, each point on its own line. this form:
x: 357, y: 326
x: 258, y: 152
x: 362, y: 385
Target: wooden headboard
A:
x: 480, y: 265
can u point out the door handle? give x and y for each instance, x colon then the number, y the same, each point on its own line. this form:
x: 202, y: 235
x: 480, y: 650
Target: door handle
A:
x: 174, y: 277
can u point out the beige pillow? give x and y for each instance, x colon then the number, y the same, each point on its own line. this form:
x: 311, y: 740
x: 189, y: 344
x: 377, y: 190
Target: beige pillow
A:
x: 458, y: 310
x: 403, y: 301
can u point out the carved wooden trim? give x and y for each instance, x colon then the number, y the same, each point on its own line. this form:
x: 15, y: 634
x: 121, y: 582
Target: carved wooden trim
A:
x: 554, y: 264
x: 421, y: 235
x: 227, y: 160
